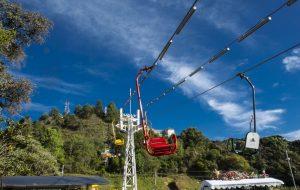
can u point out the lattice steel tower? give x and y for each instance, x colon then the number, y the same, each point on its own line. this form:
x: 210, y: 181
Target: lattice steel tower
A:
x: 129, y: 175
x: 67, y: 107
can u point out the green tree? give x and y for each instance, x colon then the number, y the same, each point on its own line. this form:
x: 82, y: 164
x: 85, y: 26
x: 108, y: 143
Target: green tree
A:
x: 51, y: 139
x: 78, y: 110
x: 99, y: 109
x: 72, y: 122
x: 26, y: 156
x: 192, y: 137
x: 273, y: 156
x: 44, y: 117
x: 54, y: 112
x: 234, y: 162
x: 18, y: 29
x: 87, y: 111
x: 13, y: 91
x: 112, y: 113
x: 56, y: 116
x: 84, y: 112
x: 81, y: 155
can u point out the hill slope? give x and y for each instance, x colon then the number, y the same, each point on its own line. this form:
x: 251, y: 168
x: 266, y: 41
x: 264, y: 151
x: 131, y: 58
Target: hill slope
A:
x: 76, y: 142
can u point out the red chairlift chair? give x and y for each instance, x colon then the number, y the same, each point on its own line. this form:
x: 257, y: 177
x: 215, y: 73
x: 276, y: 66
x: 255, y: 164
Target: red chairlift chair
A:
x: 155, y: 146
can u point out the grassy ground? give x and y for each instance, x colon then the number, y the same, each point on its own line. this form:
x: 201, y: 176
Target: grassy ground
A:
x: 181, y: 182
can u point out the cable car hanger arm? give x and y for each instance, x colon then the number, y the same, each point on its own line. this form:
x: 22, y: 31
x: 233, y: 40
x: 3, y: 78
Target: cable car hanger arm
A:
x: 155, y: 146
x: 242, y: 76
x: 138, y: 90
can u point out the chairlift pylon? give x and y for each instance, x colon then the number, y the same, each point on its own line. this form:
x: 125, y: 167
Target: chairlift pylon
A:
x: 155, y: 146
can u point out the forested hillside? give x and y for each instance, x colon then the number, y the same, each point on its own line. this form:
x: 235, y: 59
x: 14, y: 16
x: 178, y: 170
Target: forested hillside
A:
x: 77, y: 140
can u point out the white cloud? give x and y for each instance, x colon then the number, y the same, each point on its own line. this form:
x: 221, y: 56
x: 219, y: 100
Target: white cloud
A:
x: 236, y: 115
x: 55, y: 84
x: 135, y: 29
x: 296, y: 51
x: 276, y: 84
x: 220, y: 14
x: 292, y: 62
x: 292, y: 136
x: 37, y: 107
x: 224, y: 101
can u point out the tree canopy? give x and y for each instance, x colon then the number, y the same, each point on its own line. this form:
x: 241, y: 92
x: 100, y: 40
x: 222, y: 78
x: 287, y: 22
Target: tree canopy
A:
x: 77, y: 143
x: 19, y: 29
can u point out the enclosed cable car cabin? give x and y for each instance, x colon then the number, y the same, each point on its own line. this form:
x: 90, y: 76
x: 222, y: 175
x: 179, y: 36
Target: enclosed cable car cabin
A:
x: 155, y: 146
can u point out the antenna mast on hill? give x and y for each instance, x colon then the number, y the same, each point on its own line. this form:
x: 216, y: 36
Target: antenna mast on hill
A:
x: 67, y: 107
x: 129, y: 175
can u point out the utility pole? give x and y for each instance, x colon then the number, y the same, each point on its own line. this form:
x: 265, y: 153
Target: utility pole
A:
x: 129, y: 175
x: 289, y: 162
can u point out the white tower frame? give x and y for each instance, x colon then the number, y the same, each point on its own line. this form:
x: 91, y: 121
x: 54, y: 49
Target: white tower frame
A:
x: 67, y: 107
x: 129, y: 175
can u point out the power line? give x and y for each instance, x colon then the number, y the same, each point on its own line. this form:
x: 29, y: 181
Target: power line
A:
x: 178, y: 30
x: 223, y: 51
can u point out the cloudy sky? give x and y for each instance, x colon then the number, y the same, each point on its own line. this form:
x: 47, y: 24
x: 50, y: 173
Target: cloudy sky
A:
x: 96, y: 47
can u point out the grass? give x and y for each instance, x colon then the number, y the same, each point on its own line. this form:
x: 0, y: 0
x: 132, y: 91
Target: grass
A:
x: 146, y: 182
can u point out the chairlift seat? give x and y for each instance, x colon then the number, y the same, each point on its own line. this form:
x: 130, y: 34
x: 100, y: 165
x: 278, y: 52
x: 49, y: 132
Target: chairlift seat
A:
x: 155, y: 146
x: 252, y: 140
x: 119, y: 142
x: 159, y: 146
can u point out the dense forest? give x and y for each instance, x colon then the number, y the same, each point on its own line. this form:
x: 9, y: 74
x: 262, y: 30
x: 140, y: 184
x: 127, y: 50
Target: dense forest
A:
x: 77, y: 140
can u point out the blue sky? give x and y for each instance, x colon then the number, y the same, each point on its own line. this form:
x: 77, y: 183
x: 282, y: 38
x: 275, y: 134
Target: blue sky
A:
x: 96, y: 48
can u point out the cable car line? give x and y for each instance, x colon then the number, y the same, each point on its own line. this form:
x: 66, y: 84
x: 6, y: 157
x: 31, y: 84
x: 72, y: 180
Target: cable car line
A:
x: 260, y: 24
x: 239, y: 39
x: 247, y: 70
x: 180, y: 27
x: 222, y: 52
x: 161, y: 146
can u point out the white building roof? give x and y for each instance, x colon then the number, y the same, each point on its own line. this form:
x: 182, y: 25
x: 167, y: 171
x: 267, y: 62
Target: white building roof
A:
x: 232, y: 184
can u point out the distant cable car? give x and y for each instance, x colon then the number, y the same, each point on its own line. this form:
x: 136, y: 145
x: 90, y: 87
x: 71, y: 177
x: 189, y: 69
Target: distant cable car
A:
x: 107, y: 154
x: 117, y: 142
x: 111, y: 149
x: 155, y: 146
x: 252, y: 138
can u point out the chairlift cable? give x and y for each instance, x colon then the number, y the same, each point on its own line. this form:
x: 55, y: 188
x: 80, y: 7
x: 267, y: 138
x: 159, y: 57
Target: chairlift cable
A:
x: 179, y: 28
x: 222, y: 52
x: 247, y: 70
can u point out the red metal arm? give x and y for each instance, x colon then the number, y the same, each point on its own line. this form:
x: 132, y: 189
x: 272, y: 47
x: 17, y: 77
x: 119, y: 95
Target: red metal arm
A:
x: 138, y: 90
